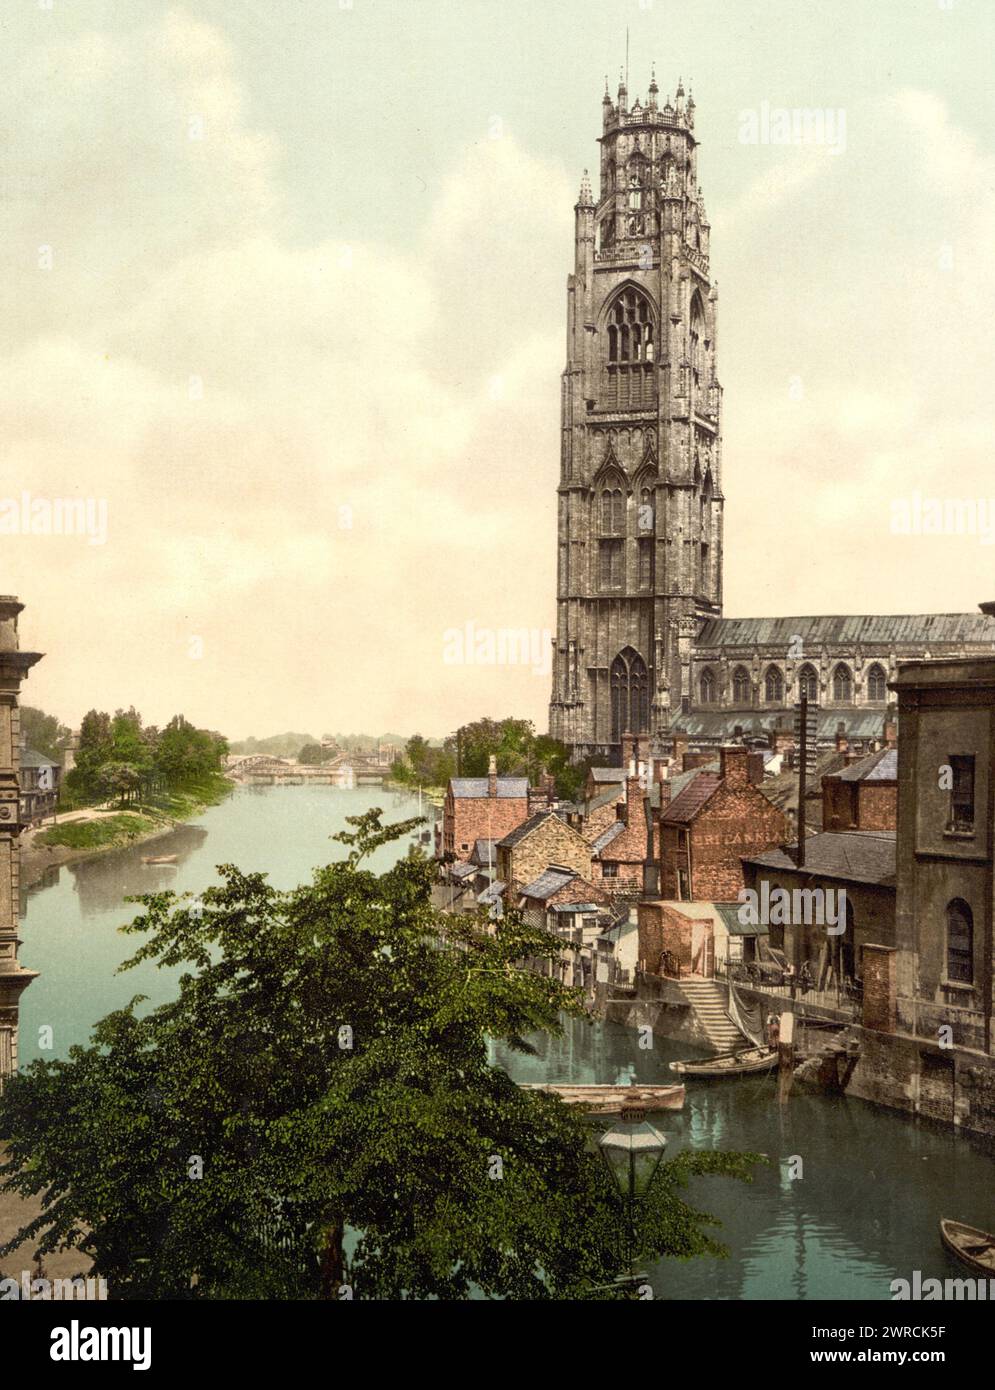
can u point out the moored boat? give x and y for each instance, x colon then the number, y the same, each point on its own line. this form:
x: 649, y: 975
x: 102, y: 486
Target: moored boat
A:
x: 609, y: 1100
x: 971, y: 1245
x: 741, y: 1063
x: 159, y: 858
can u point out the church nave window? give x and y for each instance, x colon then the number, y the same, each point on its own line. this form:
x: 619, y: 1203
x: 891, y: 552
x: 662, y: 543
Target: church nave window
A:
x: 843, y: 684
x: 741, y: 685
x: 877, y: 683
x: 808, y: 684
x: 706, y: 686
x: 773, y: 686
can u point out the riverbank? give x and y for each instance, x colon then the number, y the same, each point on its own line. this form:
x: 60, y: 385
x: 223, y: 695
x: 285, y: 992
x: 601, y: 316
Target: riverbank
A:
x: 84, y: 834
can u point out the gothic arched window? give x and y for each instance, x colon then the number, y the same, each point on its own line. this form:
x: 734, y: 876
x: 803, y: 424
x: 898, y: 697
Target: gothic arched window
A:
x: 741, y: 685
x: 631, y: 349
x: 877, y: 683
x: 960, y: 942
x: 773, y: 686
x: 843, y: 684
x: 808, y: 684
x: 645, y: 518
x: 697, y: 345
x: 612, y: 511
x: 630, y: 695
x: 706, y: 686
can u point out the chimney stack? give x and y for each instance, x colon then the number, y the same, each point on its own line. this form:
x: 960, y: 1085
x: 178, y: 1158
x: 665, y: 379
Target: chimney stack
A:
x: 733, y: 764
x: 842, y: 744
x: 492, y: 776
x: 890, y: 729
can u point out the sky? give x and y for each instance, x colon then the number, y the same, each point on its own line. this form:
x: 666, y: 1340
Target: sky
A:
x: 283, y: 307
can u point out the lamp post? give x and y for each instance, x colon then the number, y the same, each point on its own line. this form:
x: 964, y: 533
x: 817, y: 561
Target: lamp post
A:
x: 632, y: 1150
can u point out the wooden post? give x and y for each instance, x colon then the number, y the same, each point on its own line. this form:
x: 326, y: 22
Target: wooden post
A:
x: 785, y: 1056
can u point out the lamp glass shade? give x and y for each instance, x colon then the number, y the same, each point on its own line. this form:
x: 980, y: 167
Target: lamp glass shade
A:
x: 632, y: 1153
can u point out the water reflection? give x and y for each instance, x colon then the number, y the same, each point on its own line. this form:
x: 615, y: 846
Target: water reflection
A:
x: 866, y: 1205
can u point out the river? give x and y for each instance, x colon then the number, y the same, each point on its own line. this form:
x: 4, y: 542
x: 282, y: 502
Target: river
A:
x: 873, y: 1185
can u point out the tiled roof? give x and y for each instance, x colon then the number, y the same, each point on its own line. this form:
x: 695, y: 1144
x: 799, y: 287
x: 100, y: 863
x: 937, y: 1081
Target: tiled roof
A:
x: 549, y: 882
x: 862, y: 856
x: 689, y: 802
x: 475, y: 788
x: 606, y: 836
x: 881, y: 766
x: 889, y: 629
x: 515, y: 837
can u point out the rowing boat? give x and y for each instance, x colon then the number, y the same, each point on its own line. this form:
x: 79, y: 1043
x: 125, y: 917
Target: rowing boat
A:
x: 160, y: 858
x: 742, y: 1063
x: 975, y: 1248
x: 609, y: 1100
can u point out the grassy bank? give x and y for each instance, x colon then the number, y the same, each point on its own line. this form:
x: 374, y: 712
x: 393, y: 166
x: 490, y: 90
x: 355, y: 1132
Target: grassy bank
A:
x: 139, y: 819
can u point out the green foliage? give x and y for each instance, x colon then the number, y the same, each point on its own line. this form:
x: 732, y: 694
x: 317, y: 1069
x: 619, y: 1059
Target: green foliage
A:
x: 325, y: 1061
x: 424, y: 764
x: 315, y: 755
x: 277, y: 746
x: 44, y: 733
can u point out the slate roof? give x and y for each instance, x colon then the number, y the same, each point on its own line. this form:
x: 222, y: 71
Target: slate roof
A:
x: 484, y: 853
x: 729, y: 912
x: 491, y: 893
x: 848, y: 629
x: 606, y: 798
x: 606, y: 837
x: 722, y: 723
x: 860, y: 856
x: 475, y: 788
x: 608, y: 774
x: 881, y: 766
x: 30, y: 758
x: 462, y: 871
x: 516, y: 836
x: 689, y: 802
x: 550, y: 881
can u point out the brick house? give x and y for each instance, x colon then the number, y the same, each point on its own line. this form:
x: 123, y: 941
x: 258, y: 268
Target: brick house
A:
x: 709, y: 826
x: 683, y: 940
x: 481, y: 808
x: 863, y: 795
x: 532, y: 846
x: 620, y: 852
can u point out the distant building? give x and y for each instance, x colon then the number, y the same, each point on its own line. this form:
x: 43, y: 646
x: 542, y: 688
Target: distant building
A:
x: 40, y: 778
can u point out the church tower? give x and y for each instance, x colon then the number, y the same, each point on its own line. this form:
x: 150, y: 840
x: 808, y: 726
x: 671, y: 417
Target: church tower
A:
x: 640, y: 493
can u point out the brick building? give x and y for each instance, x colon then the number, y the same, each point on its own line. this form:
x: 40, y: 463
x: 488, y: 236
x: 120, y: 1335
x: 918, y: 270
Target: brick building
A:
x: 864, y: 795
x: 481, y: 808
x: 707, y: 828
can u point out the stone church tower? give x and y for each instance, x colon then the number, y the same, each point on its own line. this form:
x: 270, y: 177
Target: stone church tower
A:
x: 640, y: 491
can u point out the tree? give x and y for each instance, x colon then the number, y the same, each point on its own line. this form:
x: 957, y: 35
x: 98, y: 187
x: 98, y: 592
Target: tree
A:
x: 314, y: 754
x: 119, y: 779
x: 96, y: 747
x: 44, y: 733
x: 323, y: 1071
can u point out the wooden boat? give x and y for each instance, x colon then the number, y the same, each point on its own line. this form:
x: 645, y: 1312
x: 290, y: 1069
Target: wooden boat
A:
x: 973, y: 1247
x: 609, y: 1100
x: 741, y: 1063
x: 160, y: 858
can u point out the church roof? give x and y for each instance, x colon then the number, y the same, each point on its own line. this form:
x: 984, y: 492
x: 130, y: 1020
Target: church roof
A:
x: 721, y: 724
x: 848, y: 629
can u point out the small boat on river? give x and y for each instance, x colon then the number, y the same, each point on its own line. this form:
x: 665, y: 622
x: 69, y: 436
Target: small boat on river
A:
x: 741, y: 1063
x: 159, y: 858
x: 609, y: 1100
x: 973, y: 1247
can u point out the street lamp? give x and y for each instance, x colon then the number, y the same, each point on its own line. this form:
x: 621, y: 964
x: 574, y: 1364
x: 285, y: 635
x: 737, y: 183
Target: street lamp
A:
x: 632, y: 1150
